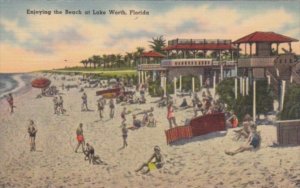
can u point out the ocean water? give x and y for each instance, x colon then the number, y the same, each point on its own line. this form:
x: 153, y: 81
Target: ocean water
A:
x: 12, y: 82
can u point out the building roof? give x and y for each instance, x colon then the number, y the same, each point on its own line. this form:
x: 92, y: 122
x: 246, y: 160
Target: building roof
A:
x: 200, y: 47
x: 153, y: 54
x: 259, y: 36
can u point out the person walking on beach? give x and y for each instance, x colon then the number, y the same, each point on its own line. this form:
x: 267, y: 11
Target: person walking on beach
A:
x: 124, y: 135
x: 32, y: 134
x: 60, y: 104
x: 158, y: 163
x: 100, y: 107
x: 10, y: 101
x: 84, y: 106
x: 55, y: 105
x: 171, y: 115
x: 112, y: 108
x: 123, y: 115
x: 80, y: 138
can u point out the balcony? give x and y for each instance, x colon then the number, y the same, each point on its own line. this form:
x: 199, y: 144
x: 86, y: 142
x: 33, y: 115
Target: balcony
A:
x: 256, y: 62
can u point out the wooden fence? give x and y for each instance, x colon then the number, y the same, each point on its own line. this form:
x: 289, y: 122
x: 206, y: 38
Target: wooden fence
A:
x: 198, y: 126
x: 288, y: 132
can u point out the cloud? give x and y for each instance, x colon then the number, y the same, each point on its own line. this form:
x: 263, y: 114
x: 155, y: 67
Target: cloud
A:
x: 77, y: 37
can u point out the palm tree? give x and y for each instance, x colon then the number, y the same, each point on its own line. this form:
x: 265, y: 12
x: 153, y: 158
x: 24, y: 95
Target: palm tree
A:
x: 119, y: 60
x: 96, y: 60
x: 128, y: 58
x: 157, y: 44
x: 138, y: 54
x: 90, y: 61
x: 105, y: 60
x: 84, y: 62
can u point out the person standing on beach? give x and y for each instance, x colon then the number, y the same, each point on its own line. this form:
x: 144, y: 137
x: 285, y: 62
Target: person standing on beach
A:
x: 124, y: 135
x: 171, y: 115
x: 55, y: 105
x: 60, y: 104
x: 112, y: 108
x: 100, y: 107
x: 10, y: 101
x: 80, y: 138
x: 84, y: 106
x: 32, y: 134
x: 123, y: 115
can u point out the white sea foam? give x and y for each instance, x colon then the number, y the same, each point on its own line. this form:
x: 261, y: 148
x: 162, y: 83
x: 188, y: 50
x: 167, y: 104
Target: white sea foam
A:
x: 20, y: 84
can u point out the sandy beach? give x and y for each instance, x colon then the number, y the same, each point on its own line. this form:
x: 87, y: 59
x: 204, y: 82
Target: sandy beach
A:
x: 199, y: 162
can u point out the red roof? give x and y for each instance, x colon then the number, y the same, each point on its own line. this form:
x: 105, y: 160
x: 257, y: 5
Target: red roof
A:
x: 259, y: 36
x: 153, y: 54
x: 200, y: 47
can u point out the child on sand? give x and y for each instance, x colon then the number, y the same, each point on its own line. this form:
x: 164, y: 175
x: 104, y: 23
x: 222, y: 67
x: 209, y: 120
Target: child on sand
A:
x: 158, y: 163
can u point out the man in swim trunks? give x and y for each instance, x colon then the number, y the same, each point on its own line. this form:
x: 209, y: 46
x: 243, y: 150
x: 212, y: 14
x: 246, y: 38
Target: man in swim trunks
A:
x: 159, y: 161
x: 80, y: 138
x: 112, y: 108
x: 84, y: 106
x: 32, y: 134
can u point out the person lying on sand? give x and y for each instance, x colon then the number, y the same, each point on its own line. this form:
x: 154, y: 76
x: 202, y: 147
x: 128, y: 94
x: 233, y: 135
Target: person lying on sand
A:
x: 146, y: 111
x: 252, y: 142
x: 158, y: 163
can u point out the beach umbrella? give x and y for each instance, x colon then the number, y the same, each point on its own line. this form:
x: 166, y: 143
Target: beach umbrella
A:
x: 40, y: 83
x: 113, y: 80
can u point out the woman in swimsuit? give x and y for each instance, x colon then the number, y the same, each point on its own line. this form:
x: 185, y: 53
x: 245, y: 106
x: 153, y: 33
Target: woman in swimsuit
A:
x: 32, y: 134
x: 252, y: 143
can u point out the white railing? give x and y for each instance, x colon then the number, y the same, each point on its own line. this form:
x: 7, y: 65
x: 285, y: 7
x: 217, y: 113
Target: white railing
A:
x: 257, y: 62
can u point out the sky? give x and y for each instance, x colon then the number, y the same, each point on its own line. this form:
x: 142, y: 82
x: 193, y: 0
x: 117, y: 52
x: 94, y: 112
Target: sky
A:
x: 31, y: 42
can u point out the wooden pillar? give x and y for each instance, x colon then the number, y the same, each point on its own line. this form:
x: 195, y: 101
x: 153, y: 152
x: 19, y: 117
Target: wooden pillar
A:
x: 180, y: 83
x: 165, y: 86
x: 236, y: 69
x: 200, y: 78
x: 193, y: 84
x: 290, y: 47
x: 142, y: 75
x: 235, y: 87
x: 241, y: 85
x: 254, y: 101
x: 222, y: 76
x: 175, y: 87
x: 277, y: 46
x: 139, y: 73
x: 250, y: 49
x: 269, y: 79
x: 247, y: 86
x: 214, y: 82
x: 283, y: 84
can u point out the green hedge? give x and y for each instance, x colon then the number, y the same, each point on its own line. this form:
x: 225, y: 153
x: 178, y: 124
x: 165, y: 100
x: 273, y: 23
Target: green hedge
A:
x: 291, y: 106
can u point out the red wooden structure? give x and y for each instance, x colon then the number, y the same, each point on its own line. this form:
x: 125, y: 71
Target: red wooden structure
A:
x: 198, y: 126
x: 115, y: 91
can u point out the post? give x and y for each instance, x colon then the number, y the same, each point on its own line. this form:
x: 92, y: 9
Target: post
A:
x: 291, y: 79
x: 241, y: 85
x: 222, y: 72
x: 145, y: 74
x: 269, y: 79
x: 193, y: 84
x: 139, y: 73
x: 142, y: 77
x: 201, y: 80
x: 153, y: 76
x: 214, y: 81
x: 175, y: 87
x: 254, y: 101
x: 282, y: 94
x: 165, y: 86
x: 247, y: 86
x: 236, y: 69
x: 180, y: 83
x: 235, y: 87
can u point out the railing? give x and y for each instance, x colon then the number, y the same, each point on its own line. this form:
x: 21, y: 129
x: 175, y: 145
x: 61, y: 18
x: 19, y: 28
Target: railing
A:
x: 198, y: 41
x: 195, y: 62
x: 256, y: 62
